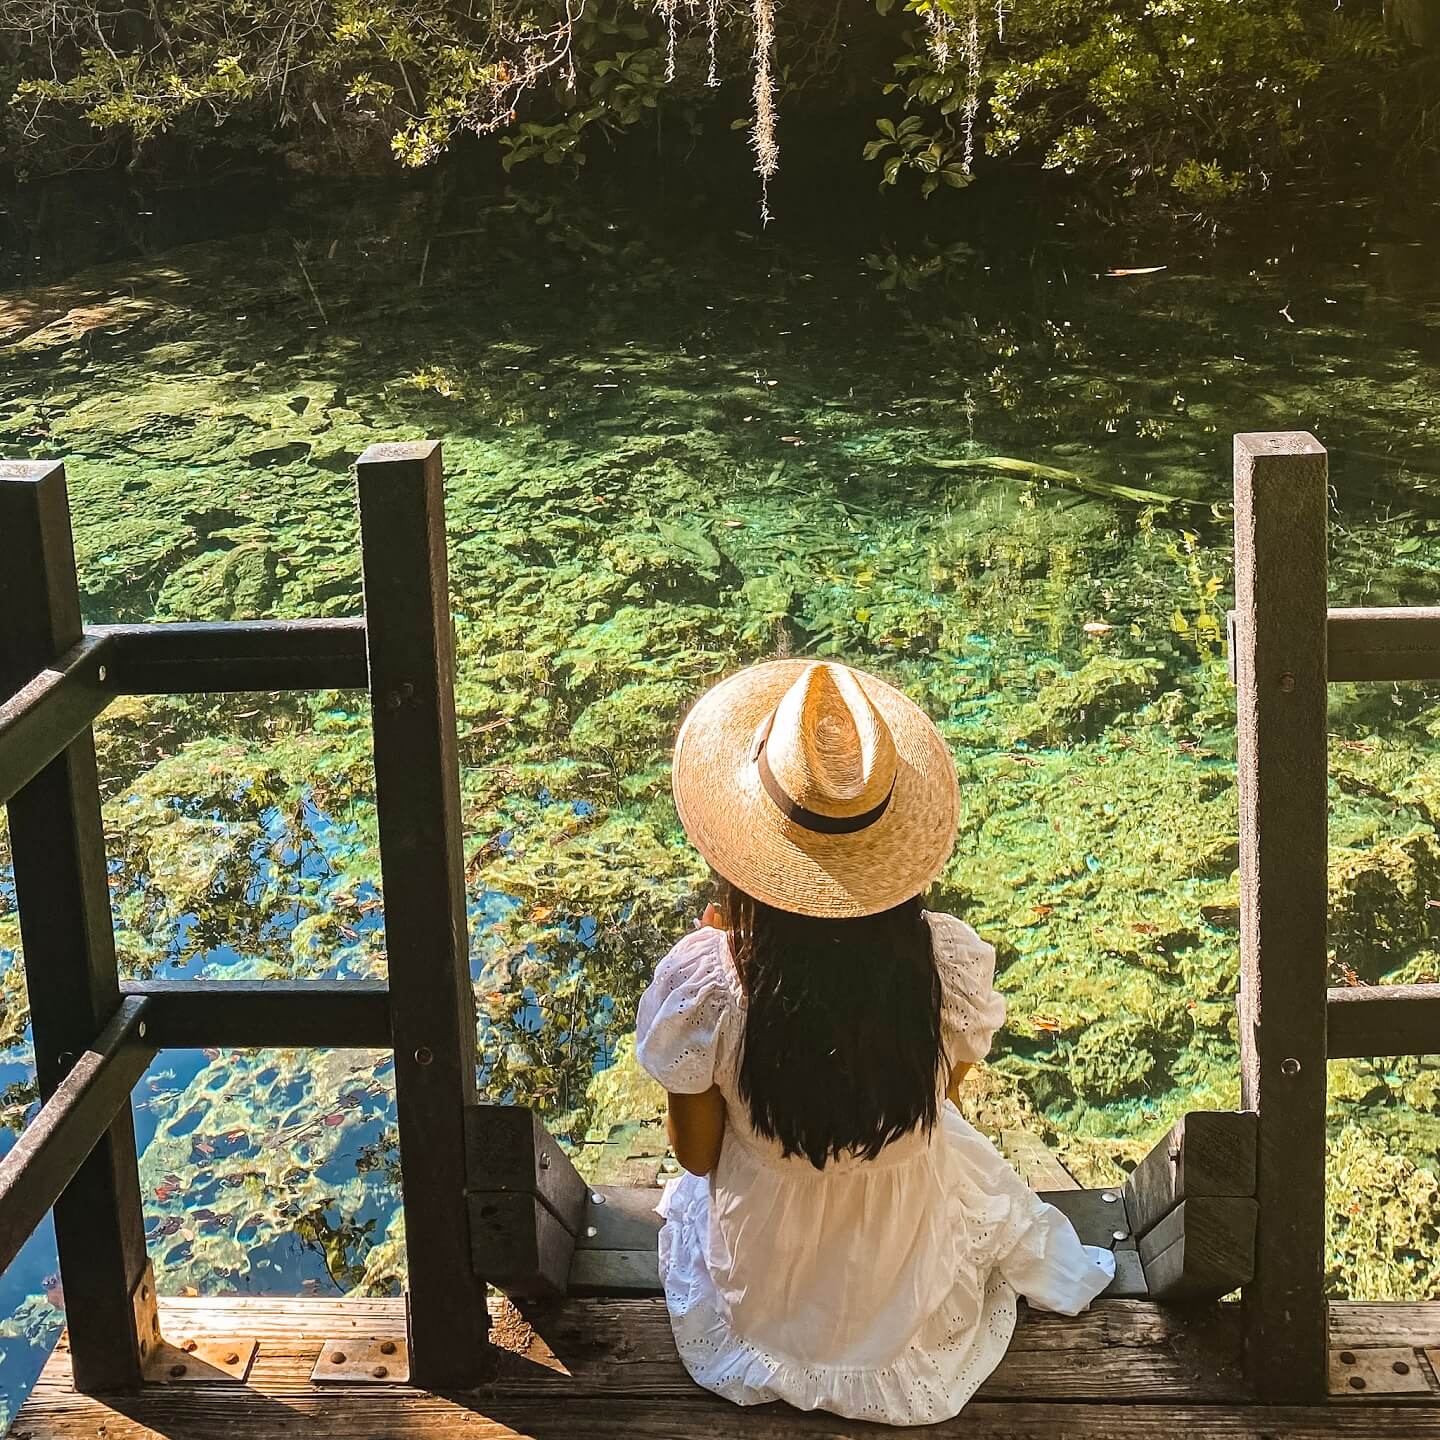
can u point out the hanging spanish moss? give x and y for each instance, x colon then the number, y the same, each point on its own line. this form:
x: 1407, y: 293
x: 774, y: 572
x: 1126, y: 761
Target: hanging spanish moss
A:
x: 668, y: 9
x: 971, y: 54
x: 767, y: 149
x: 941, y: 25
x: 712, y: 26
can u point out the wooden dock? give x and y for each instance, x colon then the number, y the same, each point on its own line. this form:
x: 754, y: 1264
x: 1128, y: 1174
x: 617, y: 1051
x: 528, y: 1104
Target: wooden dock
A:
x: 1225, y: 1201
x: 1127, y: 1370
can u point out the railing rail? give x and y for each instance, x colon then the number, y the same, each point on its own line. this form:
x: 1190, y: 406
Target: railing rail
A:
x: 78, y: 1152
x: 1286, y: 648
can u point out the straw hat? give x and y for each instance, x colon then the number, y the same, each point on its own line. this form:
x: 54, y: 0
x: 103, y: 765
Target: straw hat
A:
x: 816, y: 788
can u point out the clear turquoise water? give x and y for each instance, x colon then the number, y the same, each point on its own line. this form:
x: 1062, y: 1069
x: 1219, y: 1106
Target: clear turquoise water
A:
x: 674, y: 446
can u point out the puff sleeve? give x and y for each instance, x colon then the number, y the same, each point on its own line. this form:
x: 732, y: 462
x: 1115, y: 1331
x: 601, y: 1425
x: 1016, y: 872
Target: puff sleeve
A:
x: 971, y: 1009
x: 683, y: 1027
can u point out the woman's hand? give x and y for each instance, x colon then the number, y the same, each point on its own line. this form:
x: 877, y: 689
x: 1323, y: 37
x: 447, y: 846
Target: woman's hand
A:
x: 712, y: 919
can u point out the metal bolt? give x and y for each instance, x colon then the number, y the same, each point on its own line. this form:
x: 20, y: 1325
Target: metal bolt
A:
x: 1357, y: 1382
x: 140, y: 1029
x: 1119, y: 1234
x: 176, y: 1371
x: 596, y: 1198
x: 102, y: 674
x: 189, y: 1347
x: 337, y: 1357
x: 544, y: 1160
x: 1109, y: 1197
x: 233, y: 1358
x: 591, y: 1232
x: 1400, y: 1367
x: 424, y: 1055
x: 1290, y: 1066
x: 1287, y: 682
x: 1347, y: 1357
x: 379, y: 1372
x: 387, y: 1347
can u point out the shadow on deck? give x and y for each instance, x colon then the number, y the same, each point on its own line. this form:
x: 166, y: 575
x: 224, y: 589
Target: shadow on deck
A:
x: 568, y: 1368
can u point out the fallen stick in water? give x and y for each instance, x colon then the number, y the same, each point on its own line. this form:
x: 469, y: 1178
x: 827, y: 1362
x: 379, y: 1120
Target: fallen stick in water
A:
x: 1033, y: 469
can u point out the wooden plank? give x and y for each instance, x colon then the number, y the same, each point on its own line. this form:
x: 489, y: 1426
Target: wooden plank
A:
x: 1129, y: 1282
x: 246, y: 1414
x: 417, y: 797
x: 517, y: 1244
x: 588, y: 1350
x: 1039, y: 1167
x: 188, y: 658
x: 45, y: 715
x: 1203, y: 1249
x: 1207, y: 1152
x: 1366, y: 1020
x: 1381, y: 1322
x: 1280, y: 580
x: 1384, y: 644
x: 621, y: 1218
x: 63, y: 892
x: 507, y: 1147
x: 1098, y: 1216
x: 269, y: 1014
x: 615, y: 1272
x: 54, y: 1145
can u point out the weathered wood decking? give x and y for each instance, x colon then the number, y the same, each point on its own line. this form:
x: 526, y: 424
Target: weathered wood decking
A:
x: 579, y: 1368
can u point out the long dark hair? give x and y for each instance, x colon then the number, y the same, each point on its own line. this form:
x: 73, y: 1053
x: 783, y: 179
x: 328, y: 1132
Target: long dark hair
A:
x: 842, y: 1050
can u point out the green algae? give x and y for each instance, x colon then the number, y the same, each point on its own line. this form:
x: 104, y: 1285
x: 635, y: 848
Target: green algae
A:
x: 639, y: 499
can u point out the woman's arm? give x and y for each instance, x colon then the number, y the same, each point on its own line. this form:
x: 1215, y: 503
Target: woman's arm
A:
x: 957, y: 1079
x: 696, y: 1127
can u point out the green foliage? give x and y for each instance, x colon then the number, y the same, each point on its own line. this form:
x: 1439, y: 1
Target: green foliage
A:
x: 1198, y: 103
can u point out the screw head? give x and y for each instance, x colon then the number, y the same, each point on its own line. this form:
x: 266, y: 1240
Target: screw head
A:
x: 1290, y: 1066
x: 387, y: 1347
x: 544, y: 1159
x: 591, y: 1232
x: 189, y: 1347
x: 424, y: 1055
x: 1119, y: 1234
x: 141, y: 1028
x: 1347, y: 1357
x: 102, y: 674
x: 596, y: 1198
x: 176, y: 1371
x: 1357, y: 1382
x: 1109, y: 1197
x: 379, y: 1372
x: 233, y: 1358
x: 1400, y: 1367
x: 337, y: 1357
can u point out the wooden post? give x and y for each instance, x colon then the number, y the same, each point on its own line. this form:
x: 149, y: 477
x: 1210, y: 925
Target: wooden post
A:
x: 66, y: 930
x: 417, y: 792
x: 1281, y: 497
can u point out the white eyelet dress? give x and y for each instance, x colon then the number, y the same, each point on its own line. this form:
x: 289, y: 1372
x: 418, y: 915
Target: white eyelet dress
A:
x: 877, y: 1289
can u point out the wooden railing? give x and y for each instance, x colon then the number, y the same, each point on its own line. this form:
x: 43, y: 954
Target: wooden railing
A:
x: 1286, y: 647
x: 93, y: 1037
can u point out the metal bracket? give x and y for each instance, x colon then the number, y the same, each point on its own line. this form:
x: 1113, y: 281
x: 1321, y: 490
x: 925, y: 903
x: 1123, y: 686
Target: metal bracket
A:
x: 363, y: 1360
x: 209, y: 1360
x: 1378, y: 1370
x: 147, y: 1317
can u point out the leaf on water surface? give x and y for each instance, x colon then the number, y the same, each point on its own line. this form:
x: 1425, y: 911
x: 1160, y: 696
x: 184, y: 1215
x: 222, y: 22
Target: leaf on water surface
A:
x: 1034, y: 469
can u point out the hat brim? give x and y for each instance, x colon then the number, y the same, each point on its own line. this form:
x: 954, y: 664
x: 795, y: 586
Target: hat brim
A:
x: 739, y: 830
